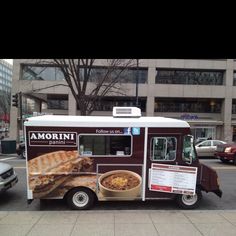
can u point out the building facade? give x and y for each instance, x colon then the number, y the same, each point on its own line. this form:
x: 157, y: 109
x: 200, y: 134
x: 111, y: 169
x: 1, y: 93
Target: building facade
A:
x: 202, y: 92
x: 5, y: 96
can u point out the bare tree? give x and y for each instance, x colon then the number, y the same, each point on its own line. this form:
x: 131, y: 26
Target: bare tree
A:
x: 106, y: 80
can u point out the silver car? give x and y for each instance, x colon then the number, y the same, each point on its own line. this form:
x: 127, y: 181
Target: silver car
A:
x: 207, y: 148
x: 8, y: 177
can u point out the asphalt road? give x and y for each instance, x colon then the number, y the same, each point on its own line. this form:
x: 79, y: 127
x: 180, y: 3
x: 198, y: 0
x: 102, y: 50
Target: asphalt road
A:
x: 15, y: 199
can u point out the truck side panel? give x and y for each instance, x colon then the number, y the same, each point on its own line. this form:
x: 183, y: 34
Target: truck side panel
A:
x: 55, y: 165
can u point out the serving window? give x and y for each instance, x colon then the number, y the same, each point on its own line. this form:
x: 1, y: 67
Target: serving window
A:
x: 163, y: 148
x: 105, y: 145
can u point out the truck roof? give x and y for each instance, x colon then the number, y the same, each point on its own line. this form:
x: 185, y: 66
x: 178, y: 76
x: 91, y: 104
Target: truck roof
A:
x: 104, y: 121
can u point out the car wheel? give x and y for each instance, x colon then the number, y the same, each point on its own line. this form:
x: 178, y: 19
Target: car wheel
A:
x: 80, y: 199
x: 189, y: 201
x: 23, y: 154
x: 234, y: 160
x: 224, y: 160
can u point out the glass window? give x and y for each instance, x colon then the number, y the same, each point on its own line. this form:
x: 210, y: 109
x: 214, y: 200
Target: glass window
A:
x: 234, y: 79
x: 126, y: 76
x: 107, y: 103
x: 105, y: 145
x: 206, y: 144
x: 188, y: 149
x: 215, y: 143
x: 200, y: 77
x: 203, y: 133
x: 57, y: 101
x: 234, y: 106
x: 163, y: 148
x: 41, y: 73
x: 188, y: 105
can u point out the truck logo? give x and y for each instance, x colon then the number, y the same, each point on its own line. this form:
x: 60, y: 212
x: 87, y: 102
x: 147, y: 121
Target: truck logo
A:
x: 52, y: 138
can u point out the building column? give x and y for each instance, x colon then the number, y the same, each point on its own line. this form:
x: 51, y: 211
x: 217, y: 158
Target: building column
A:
x: 13, y: 134
x: 150, y: 99
x: 72, y: 109
x: 14, y: 126
x: 227, y: 108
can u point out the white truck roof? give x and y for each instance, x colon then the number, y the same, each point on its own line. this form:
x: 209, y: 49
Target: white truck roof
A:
x: 104, y: 121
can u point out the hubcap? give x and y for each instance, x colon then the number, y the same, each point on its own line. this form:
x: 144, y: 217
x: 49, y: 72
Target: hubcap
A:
x: 80, y: 199
x: 189, y: 199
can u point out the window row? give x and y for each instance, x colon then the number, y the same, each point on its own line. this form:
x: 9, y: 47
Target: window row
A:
x: 6, y: 75
x: 59, y: 101
x: 161, y: 148
x: 188, y: 105
x: 195, y: 77
x: 5, y: 69
x: 107, y: 103
x: 130, y: 75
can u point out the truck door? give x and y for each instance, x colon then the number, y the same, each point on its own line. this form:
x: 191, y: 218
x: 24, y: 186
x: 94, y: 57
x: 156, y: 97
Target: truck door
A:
x: 161, y: 149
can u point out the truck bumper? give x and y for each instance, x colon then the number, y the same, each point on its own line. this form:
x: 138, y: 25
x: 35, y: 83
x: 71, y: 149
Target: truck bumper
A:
x: 218, y: 192
x: 224, y: 156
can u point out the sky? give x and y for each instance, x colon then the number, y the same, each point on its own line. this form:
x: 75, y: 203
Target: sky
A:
x: 9, y: 60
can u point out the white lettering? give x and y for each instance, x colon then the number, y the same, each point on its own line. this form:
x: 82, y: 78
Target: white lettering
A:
x: 41, y: 136
x: 48, y: 136
x: 33, y: 136
x: 54, y: 136
x: 66, y: 136
x: 56, y: 142
x: 102, y: 131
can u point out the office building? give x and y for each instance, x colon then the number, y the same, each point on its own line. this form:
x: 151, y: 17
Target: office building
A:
x: 202, y: 92
x: 5, y: 96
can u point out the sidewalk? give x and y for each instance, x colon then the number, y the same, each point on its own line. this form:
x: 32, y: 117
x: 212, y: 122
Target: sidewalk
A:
x: 12, y: 154
x: 3, y: 156
x: 119, y: 223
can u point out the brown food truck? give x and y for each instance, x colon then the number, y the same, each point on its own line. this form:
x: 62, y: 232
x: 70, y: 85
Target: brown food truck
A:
x: 121, y: 157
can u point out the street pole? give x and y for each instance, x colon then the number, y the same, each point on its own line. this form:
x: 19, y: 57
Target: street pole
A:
x: 21, y: 116
x: 137, y: 82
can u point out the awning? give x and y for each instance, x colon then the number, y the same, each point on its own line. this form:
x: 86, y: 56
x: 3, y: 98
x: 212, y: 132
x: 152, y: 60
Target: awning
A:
x: 205, y: 122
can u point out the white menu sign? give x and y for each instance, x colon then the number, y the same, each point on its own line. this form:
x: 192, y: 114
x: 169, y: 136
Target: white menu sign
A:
x: 173, y: 179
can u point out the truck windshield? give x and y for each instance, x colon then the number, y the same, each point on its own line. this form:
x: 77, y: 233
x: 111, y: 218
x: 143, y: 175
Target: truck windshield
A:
x: 188, y: 149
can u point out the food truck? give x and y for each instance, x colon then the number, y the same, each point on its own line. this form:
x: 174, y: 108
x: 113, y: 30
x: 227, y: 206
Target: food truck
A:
x: 121, y: 157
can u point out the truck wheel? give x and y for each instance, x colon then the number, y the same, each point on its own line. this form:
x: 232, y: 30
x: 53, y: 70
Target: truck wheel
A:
x: 189, y: 201
x: 80, y: 199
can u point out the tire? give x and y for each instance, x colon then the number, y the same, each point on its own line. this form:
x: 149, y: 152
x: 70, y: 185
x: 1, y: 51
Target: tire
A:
x: 80, y: 199
x: 189, y: 201
x: 23, y: 154
x: 234, y: 160
x: 224, y: 160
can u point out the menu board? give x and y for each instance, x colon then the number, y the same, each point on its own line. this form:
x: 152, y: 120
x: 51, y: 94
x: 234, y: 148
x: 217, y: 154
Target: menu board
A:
x: 173, y: 179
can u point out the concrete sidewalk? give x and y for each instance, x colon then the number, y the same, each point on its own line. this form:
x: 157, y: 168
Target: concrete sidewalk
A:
x: 118, y: 223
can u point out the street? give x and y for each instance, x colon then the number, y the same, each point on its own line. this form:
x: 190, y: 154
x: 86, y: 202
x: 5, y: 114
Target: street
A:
x: 16, y: 198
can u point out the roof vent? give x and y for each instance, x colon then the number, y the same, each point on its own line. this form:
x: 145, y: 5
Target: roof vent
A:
x: 126, y: 112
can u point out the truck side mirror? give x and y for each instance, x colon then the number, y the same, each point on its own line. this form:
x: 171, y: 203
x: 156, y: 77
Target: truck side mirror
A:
x: 188, y: 149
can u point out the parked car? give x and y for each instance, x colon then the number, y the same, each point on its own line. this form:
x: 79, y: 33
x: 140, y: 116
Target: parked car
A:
x: 208, y: 147
x: 8, y: 177
x: 199, y: 140
x: 20, y: 150
x: 226, y: 153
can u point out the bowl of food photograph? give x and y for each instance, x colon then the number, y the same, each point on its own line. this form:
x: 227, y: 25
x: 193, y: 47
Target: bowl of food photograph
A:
x: 120, y: 184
